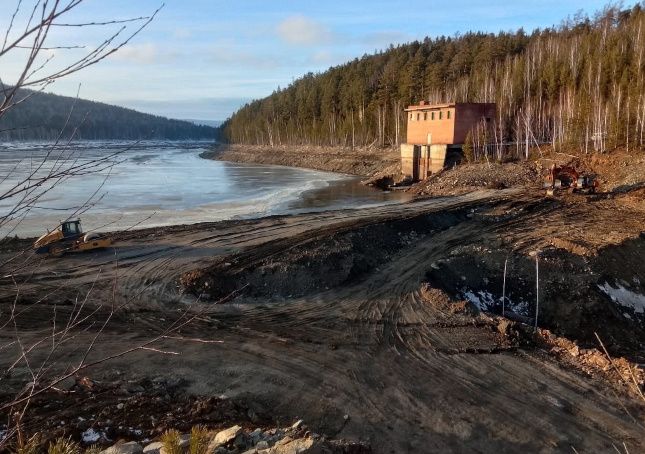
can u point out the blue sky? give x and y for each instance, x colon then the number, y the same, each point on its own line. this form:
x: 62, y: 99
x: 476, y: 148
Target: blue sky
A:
x: 202, y: 59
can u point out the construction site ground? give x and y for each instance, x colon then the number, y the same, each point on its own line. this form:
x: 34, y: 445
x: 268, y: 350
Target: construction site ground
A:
x: 364, y: 323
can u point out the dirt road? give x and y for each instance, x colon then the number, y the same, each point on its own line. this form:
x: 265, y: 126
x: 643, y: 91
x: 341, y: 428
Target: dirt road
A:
x: 328, y: 323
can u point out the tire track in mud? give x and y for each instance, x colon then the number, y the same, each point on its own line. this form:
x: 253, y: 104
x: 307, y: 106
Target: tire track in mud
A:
x: 388, y: 324
x: 374, y: 349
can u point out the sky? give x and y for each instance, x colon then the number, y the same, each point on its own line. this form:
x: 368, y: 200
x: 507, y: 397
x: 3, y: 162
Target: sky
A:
x: 203, y: 59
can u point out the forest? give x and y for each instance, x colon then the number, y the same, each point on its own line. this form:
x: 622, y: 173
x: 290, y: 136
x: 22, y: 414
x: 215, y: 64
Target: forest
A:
x: 45, y: 116
x: 576, y: 86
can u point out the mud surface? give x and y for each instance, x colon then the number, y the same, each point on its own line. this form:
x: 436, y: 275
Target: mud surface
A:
x: 359, y: 321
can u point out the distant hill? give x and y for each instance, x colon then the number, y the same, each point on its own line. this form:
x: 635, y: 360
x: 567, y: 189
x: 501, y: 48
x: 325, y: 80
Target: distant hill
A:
x: 44, y: 116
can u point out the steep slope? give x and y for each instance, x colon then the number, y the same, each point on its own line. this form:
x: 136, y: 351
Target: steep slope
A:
x: 579, y: 85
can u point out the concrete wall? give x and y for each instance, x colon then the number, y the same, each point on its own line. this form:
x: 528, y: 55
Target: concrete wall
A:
x: 437, y: 157
x: 418, y: 162
x: 442, y: 130
x: 407, y: 159
x: 453, y: 130
x: 468, y: 116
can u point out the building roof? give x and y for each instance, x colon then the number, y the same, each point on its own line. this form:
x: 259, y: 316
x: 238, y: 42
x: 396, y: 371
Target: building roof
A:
x: 424, y: 106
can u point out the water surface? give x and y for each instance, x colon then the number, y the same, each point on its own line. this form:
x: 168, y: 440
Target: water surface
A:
x: 165, y: 183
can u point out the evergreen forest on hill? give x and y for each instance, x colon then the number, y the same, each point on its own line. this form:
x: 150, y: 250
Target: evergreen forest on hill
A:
x: 44, y: 116
x: 579, y: 85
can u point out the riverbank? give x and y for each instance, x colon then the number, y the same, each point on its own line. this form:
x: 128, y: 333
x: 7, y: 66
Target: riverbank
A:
x: 364, y: 161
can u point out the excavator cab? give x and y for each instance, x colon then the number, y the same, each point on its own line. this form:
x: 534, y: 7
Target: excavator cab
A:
x: 71, y: 229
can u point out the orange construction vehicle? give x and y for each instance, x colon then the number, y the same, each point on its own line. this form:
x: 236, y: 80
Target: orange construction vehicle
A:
x: 568, y: 178
x: 69, y: 237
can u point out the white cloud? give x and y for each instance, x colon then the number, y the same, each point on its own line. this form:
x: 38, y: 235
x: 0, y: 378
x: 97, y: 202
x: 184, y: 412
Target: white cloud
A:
x: 138, y: 53
x: 304, y: 31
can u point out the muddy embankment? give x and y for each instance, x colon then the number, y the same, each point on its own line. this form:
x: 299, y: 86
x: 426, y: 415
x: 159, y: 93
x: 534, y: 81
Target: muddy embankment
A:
x: 361, y: 325
x: 358, y: 161
x: 580, y: 292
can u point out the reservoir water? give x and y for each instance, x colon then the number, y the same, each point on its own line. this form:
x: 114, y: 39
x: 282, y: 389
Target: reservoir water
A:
x: 165, y: 183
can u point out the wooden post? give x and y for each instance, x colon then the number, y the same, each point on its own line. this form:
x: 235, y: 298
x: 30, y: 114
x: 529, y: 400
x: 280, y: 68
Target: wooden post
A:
x: 504, y: 288
x: 537, y: 289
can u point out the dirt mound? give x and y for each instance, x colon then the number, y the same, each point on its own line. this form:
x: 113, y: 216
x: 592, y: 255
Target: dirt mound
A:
x: 469, y: 177
x: 617, y: 172
x: 578, y: 295
x: 301, y: 266
x: 619, y: 371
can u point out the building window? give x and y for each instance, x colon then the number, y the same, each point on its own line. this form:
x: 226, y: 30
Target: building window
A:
x: 425, y: 116
x: 440, y: 115
x: 410, y: 117
x: 432, y: 116
x: 448, y: 115
x: 418, y: 117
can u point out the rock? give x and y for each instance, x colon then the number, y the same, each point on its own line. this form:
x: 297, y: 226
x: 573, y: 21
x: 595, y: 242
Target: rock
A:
x: 120, y: 406
x: 284, y: 441
x: 223, y: 437
x: 297, y: 446
x: 262, y: 445
x: 296, y: 425
x: 184, y: 440
x: 132, y: 447
x: 153, y: 448
x: 242, y: 441
x: 574, y: 351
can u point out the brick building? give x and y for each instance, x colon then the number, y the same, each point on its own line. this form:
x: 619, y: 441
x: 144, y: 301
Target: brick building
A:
x: 436, y: 134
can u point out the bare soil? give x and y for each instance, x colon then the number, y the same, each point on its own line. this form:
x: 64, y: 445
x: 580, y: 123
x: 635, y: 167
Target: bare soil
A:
x: 363, y: 161
x: 358, y: 321
x: 617, y: 172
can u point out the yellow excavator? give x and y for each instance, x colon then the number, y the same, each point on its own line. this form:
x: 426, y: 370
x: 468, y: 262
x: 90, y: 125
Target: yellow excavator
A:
x: 69, y: 237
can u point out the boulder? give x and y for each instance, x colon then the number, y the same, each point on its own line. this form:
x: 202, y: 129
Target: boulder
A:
x: 153, y: 448
x: 297, y: 446
x: 131, y: 447
x: 223, y: 437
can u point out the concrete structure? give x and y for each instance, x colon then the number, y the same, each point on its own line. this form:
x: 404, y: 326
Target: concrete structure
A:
x: 436, y: 133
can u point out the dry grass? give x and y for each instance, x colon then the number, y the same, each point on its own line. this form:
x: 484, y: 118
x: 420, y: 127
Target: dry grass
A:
x: 199, y: 440
x: 171, y: 440
x: 64, y: 446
